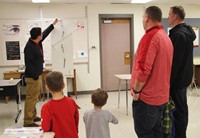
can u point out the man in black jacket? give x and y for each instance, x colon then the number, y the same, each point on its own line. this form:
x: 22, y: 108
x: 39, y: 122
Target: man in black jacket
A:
x: 182, y: 37
x: 34, y: 59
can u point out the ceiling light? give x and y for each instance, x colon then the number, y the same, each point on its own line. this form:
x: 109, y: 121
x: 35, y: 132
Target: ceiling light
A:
x: 140, y: 1
x: 41, y: 1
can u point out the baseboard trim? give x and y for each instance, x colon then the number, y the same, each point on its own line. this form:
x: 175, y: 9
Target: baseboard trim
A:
x: 80, y: 93
x: 71, y: 93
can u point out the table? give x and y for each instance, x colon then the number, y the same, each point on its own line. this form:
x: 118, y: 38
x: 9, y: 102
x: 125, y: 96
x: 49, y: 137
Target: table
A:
x: 44, y: 135
x: 12, y: 88
x: 196, y: 60
x: 44, y: 74
x: 17, y: 75
x: 72, y: 77
x: 48, y: 135
x: 122, y: 77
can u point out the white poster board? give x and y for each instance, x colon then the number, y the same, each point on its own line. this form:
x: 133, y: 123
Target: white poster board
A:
x: 15, y: 32
x: 196, y: 41
x: 62, y: 49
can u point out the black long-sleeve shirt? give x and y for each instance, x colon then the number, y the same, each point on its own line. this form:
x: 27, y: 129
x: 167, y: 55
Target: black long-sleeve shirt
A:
x: 182, y: 37
x: 33, y: 55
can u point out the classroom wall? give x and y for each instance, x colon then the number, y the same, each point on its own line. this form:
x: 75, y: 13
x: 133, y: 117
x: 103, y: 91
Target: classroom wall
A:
x: 88, y: 75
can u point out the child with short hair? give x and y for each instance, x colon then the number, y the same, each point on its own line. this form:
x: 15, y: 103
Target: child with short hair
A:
x: 97, y: 120
x: 60, y: 114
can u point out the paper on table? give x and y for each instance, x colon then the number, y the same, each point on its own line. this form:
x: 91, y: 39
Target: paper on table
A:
x: 23, y: 130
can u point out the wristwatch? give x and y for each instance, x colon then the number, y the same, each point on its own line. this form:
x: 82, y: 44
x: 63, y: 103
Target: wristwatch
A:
x: 136, y: 92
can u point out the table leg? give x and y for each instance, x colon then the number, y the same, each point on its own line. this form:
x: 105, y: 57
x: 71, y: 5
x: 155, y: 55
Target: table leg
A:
x: 43, y: 88
x: 47, y: 95
x: 126, y: 97
x: 119, y: 89
x: 74, y: 84
x: 194, y: 81
x: 18, y: 98
x: 7, y: 99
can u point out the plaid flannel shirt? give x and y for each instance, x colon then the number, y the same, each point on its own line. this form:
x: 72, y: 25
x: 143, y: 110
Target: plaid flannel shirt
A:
x: 167, y: 121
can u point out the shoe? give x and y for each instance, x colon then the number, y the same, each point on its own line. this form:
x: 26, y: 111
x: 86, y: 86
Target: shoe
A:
x: 37, y: 119
x: 31, y: 125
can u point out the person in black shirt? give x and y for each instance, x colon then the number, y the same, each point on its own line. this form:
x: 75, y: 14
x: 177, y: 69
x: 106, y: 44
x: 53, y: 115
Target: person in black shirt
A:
x: 182, y: 37
x: 34, y: 59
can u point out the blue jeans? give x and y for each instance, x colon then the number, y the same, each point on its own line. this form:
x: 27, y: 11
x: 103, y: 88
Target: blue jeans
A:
x: 147, y: 119
x: 179, y: 96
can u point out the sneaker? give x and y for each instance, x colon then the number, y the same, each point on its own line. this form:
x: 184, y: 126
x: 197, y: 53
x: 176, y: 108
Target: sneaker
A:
x: 37, y: 119
x: 31, y: 125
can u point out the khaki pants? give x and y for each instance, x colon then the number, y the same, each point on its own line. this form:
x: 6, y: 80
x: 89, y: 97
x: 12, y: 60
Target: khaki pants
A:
x: 32, y: 92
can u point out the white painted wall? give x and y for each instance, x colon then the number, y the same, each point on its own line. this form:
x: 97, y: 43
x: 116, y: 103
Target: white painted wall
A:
x: 92, y: 79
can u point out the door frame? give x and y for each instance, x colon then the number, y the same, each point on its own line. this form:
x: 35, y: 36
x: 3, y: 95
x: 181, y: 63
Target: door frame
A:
x: 115, y: 16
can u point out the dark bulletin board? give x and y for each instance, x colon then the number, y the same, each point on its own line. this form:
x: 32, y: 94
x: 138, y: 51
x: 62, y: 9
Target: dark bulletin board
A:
x: 12, y: 50
x: 194, y: 22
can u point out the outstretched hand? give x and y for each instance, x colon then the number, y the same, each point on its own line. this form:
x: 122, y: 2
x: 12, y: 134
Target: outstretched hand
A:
x: 55, y: 21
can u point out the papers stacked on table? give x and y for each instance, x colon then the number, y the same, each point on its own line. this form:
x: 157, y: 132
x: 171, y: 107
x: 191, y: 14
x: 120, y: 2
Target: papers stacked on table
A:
x: 24, y: 132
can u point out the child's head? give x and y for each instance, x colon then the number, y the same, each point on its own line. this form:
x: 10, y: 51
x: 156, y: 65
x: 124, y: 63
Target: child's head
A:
x: 54, y: 81
x: 99, y: 97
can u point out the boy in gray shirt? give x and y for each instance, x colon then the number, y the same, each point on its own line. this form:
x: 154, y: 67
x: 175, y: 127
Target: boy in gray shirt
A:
x: 97, y: 120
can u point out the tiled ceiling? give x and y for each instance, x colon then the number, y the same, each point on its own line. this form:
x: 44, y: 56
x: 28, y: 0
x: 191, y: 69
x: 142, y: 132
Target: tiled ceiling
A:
x: 171, y: 2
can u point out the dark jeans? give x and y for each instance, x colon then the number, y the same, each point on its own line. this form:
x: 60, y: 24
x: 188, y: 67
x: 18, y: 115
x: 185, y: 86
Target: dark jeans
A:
x: 147, y: 119
x: 179, y: 96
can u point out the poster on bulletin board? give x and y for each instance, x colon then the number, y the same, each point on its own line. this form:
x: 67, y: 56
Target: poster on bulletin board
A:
x: 13, y: 38
x: 11, y: 41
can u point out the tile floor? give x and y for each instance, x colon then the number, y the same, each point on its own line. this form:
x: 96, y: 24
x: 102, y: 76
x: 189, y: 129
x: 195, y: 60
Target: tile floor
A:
x: 122, y: 130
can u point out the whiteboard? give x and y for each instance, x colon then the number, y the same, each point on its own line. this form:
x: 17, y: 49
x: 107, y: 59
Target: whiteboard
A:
x: 62, y: 47
x: 17, y: 30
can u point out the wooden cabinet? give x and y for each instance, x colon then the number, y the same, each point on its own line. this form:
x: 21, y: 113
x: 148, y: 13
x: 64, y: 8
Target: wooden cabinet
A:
x: 12, y: 74
x: 197, y: 74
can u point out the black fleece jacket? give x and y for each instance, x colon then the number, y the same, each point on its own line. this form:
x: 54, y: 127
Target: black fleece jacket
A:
x: 33, y: 55
x: 182, y: 37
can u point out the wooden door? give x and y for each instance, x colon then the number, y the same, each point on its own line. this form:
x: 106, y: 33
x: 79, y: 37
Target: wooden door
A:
x: 115, y: 49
